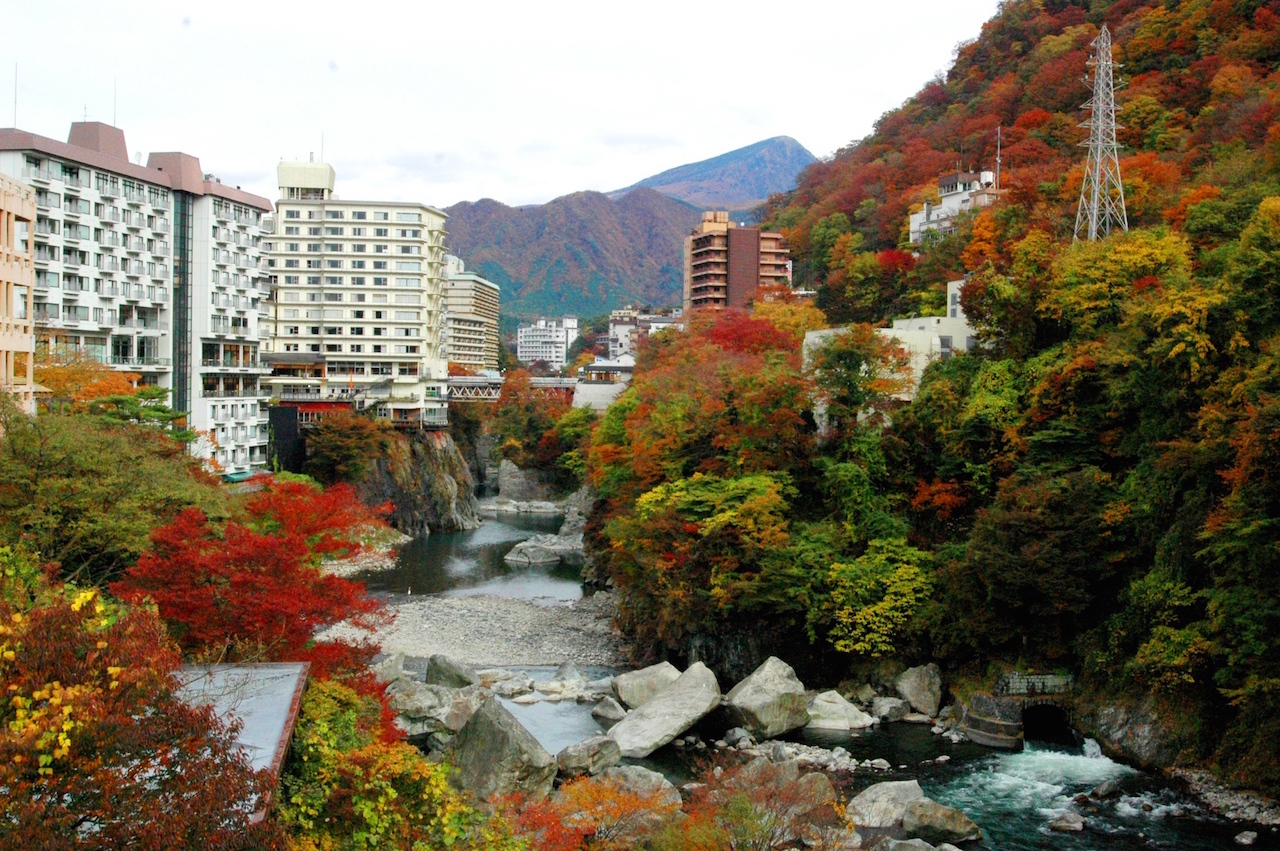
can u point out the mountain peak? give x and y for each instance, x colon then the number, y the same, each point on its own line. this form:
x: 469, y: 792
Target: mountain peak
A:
x: 738, y: 180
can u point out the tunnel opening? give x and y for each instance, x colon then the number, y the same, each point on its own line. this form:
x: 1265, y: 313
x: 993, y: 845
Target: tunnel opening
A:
x: 1048, y: 723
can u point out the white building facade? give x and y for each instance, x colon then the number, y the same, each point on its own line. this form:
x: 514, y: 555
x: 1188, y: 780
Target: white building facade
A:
x: 152, y: 270
x: 547, y: 340
x: 958, y: 193
x: 355, y: 314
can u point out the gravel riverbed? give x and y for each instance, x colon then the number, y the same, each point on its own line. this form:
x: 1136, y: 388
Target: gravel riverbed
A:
x: 496, y: 631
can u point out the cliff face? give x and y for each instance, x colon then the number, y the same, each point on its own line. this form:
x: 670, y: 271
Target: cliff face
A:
x: 427, y: 480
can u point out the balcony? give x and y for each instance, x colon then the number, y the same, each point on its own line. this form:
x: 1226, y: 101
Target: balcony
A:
x: 108, y: 189
x: 162, y: 226
x: 118, y: 360
x: 40, y: 175
x: 160, y: 204
x: 135, y: 196
x: 110, y: 214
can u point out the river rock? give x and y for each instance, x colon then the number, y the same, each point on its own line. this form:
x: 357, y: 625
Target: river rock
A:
x: 608, y: 709
x: 448, y: 672
x: 389, y: 669
x: 921, y: 687
x: 830, y: 711
x: 495, y: 755
x: 567, y: 671
x: 1246, y: 837
x: 889, y: 709
x: 891, y: 844
x: 642, y: 781
x: 1108, y: 788
x: 668, y: 713
x: 883, y: 805
x: 635, y: 687
x: 933, y: 822
x: 531, y: 552
x: 770, y: 701
x: 506, y: 683
x: 588, y: 757
x: 434, y: 709
x: 517, y: 484
x: 1068, y: 822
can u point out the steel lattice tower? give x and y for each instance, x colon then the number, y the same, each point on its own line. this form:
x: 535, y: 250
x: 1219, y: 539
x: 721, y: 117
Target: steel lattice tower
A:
x: 1101, y: 207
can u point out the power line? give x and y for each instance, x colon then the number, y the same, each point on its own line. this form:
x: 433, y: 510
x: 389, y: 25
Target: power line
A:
x: 1102, y: 206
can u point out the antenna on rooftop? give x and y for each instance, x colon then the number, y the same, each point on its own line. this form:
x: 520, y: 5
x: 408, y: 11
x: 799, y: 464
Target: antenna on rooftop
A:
x: 998, y: 129
x: 114, y: 100
x: 15, y: 95
x: 1102, y: 193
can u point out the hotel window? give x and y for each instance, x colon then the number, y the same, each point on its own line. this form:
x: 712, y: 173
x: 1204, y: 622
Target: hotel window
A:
x: 291, y: 329
x: 292, y: 214
x: 357, y: 314
x: 404, y: 233
x: 290, y: 230
x: 292, y: 297
x: 357, y: 331
x: 359, y: 215
x: 333, y: 347
x: 358, y: 297
x: 291, y: 246
x: 291, y: 264
x: 357, y: 282
x: 408, y: 217
x: 358, y: 248
x: 334, y: 231
x: 313, y: 280
x: 291, y: 279
x: 333, y: 280
x: 313, y: 231
x: 381, y: 217
x: 381, y: 231
x: 379, y: 282
x: 357, y: 264
x: 333, y: 264
x: 333, y: 214
x: 333, y: 296
x: 380, y: 249
x: 379, y: 264
x: 313, y: 246
x: 357, y: 348
x: 333, y: 330
x: 333, y: 246
x: 357, y: 231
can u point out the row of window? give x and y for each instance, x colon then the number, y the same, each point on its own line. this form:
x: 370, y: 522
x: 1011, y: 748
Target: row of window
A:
x: 354, y: 331
x: 337, y: 248
x: 358, y: 298
x: 358, y: 215
x: 402, y: 233
x: 317, y: 313
x: 355, y: 349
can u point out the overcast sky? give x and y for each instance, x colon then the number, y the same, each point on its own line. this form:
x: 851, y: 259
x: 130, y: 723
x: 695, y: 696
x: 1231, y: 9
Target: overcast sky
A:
x: 436, y: 102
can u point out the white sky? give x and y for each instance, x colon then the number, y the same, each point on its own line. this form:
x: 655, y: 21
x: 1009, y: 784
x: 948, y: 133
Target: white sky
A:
x: 439, y: 103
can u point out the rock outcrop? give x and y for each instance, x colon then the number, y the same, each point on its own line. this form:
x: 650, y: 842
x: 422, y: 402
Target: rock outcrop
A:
x: 424, y: 476
x: 1132, y: 731
x: 495, y: 755
x: 642, y: 781
x: 668, y: 713
x: 635, y: 687
x: 921, y: 687
x: 429, y: 709
x: 889, y: 709
x: 520, y: 485
x: 768, y: 702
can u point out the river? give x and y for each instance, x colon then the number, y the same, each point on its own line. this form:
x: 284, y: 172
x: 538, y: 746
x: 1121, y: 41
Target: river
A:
x: 1011, y: 796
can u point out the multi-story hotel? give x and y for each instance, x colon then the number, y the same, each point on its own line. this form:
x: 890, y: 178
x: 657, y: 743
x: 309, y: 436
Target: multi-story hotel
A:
x: 17, y: 279
x: 355, y: 313
x: 470, y: 318
x: 153, y: 270
x: 547, y: 340
x: 723, y: 264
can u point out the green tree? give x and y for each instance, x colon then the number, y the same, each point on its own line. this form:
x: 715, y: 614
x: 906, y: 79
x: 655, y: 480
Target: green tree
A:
x: 874, y: 599
x: 341, y: 446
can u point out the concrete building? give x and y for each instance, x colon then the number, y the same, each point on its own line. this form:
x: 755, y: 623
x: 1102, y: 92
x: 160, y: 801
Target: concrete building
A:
x: 958, y: 193
x: 547, y: 340
x: 153, y: 270
x: 355, y: 315
x: 724, y: 263
x: 629, y: 327
x: 17, y: 285
x: 925, y: 339
x: 470, y: 318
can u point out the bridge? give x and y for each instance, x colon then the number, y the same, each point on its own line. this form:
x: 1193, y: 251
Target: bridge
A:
x: 996, y: 719
x: 479, y: 388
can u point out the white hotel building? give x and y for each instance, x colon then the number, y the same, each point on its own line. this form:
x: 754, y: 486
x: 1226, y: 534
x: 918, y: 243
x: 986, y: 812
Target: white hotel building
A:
x: 153, y: 270
x: 355, y: 314
x: 547, y: 340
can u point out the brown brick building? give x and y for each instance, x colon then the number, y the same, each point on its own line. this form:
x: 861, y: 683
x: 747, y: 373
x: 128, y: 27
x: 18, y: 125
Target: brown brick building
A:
x: 723, y: 263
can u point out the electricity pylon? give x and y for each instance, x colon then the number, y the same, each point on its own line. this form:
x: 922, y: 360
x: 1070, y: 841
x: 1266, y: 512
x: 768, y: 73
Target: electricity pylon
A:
x: 1102, y: 194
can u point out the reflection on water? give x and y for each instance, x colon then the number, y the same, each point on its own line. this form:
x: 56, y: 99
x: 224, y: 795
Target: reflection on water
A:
x: 558, y: 725
x: 454, y: 564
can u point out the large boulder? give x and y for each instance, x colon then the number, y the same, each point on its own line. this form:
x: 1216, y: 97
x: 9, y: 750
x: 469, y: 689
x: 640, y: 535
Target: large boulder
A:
x: 506, y: 683
x: 891, y: 844
x: 830, y: 711
x: 921, y: 687
x: 497, y: 756
x: 933, y: 822
x: 635, y: 687
x: 590, y: 756
x: 1068, y: 822
x: 426, y: 709
x: 770, y: 701
x: 883, y: 805
x: 889, y: 709
x: 668, y: 713
x: 531, y: 552
x: 389, y: 669
x: 609, y: 710
x: 445, y: 671
x: 642, y: 781
x: 517, y: 484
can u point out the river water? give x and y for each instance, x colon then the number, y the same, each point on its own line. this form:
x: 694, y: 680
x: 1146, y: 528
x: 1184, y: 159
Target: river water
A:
x: 1011, y: 796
